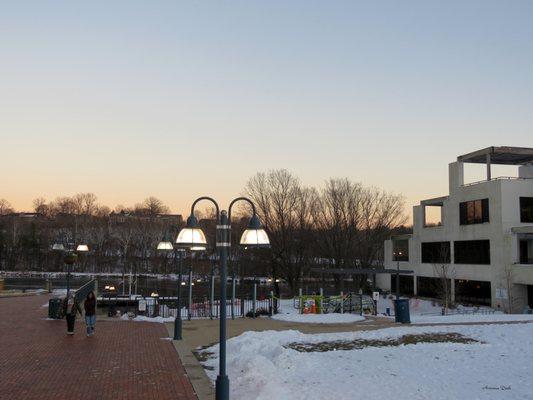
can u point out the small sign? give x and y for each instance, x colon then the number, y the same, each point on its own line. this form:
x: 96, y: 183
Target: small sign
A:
x: 375, y: 296
x: 142, y: 305
x: 501, y: 294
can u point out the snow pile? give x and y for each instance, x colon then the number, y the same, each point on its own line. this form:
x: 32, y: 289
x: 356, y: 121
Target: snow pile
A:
x: 160, y: 320
x: 497, y: 368
x: 288, y: 313
x: 333, y: 318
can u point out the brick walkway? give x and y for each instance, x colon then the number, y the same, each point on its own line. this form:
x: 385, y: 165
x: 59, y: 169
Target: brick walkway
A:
x: 124, y: 360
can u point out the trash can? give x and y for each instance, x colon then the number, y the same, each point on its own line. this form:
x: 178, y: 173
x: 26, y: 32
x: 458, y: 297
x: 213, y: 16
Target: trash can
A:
x: 54, y: 308
x: 401, y: 311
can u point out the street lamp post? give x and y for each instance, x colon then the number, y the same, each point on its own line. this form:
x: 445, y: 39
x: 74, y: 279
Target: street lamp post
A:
x: 398, y: 255
x: 192, y: 235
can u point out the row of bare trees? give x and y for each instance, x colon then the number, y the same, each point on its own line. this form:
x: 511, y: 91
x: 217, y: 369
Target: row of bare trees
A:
x: 123, y: 240
x: 342, y: 224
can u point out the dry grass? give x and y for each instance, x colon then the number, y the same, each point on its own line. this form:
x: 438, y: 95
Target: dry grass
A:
x: 358, y: 344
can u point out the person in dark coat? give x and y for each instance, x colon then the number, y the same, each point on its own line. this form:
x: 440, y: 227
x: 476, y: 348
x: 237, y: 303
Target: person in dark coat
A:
x: 90, y: 313
x: 70, y: 308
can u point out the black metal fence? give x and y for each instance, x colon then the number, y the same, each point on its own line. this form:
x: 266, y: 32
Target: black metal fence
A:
x: 198, y: 307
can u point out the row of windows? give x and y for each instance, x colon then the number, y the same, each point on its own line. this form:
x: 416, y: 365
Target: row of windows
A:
x: 466, y: 252
x: 477, y: 211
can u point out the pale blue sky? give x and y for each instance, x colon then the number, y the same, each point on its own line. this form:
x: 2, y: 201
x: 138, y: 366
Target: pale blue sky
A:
x: 176, y: 99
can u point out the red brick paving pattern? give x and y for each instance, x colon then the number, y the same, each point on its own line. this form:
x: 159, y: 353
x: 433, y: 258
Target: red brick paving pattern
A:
x: 123, y: 361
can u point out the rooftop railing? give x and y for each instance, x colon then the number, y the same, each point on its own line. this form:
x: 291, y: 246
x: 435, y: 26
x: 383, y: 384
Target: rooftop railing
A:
x: 499, y: 178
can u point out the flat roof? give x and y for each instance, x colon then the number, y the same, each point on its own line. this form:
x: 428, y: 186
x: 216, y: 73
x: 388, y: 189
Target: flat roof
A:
x: 500, y: 155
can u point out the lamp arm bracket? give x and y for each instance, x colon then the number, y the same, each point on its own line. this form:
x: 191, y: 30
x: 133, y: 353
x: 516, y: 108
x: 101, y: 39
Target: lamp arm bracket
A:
x: 209, y: 199
x: 242, y: 198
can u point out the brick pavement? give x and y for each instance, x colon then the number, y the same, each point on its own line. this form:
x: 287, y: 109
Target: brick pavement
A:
x: 124, y: 360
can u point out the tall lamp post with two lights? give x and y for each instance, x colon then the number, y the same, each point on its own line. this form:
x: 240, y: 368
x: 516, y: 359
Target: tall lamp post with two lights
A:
x: 192, y: 236
x: 70, y: 256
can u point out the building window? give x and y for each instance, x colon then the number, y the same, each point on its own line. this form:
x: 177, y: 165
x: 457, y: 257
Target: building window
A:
x: 474, y: 212
x: 526, y: 209
x: 526, y: 251
x: 472, y: 252
x: 400, y: 250
x: 472, y: 292
x: 436, y: 252
x: 407, y: 286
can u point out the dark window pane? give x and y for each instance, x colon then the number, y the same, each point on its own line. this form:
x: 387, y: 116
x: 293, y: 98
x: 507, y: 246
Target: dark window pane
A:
x: 462, y: 213
x: 474, y: 212
x: 526, y: 209
x: 472, y: 252
x: 400, y: 250
x: 436, y: 252
x: 485, y: 212
x: 470, y: 212
x: 472, y: 292
x: 478, y: 217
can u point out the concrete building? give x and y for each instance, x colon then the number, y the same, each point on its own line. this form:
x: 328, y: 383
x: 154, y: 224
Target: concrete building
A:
x: 482, y: 248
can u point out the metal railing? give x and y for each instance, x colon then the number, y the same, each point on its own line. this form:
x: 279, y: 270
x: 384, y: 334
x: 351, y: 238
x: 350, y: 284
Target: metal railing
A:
x: 83, y: 291
x: 199, y: 307
x: 499, y: 178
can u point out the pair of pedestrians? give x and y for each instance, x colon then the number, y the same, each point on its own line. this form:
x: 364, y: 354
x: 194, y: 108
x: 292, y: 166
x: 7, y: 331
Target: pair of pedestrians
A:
x: 71, y: 307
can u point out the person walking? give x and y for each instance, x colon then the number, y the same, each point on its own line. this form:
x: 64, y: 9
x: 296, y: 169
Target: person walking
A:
x: 70, y: 308
x: 90, y: 313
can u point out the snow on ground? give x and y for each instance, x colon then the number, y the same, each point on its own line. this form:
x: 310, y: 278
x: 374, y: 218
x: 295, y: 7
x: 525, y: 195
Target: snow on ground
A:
x: 290, y: 314
x: 429, y: 312
x: 498, y: 368
x: 319, y: 318
x: 142, y: 318
x: 465, y: 318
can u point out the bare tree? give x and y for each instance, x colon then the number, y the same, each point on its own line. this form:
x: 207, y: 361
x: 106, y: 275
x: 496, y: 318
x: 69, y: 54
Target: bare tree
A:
x: 445, y: 272
x: 40, y: 206
x: 285, y: 210
x: 5, y: 207
x: 151, y: 206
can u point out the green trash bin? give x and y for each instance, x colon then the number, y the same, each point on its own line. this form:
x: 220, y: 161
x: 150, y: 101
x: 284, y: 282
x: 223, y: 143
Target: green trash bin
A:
x: 401, y: 311
x: 54, y: 308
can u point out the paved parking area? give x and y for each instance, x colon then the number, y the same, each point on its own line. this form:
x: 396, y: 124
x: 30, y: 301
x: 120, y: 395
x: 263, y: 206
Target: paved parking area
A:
x: 124, y: 360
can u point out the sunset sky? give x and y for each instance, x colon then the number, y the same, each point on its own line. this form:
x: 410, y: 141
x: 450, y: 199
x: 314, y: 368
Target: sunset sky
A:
x: 178, y: 99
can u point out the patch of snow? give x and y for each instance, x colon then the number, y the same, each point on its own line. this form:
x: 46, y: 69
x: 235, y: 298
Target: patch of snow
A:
x: 288, y: 313
x: 465, y: 318
x: 160, y: 320
x: 497, y: 368
x: 333, y: 318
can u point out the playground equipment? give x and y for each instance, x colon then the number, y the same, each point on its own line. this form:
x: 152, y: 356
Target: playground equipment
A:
x: 344, y: 303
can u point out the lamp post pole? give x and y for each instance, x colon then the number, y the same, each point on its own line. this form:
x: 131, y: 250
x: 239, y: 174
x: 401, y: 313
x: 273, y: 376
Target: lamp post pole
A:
x: 398, y: 255
x: 223, y: 243
x: 177, y: 321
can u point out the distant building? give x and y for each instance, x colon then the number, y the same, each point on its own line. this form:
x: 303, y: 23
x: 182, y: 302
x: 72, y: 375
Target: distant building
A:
x: 123, y: 216
x: 484, y: 241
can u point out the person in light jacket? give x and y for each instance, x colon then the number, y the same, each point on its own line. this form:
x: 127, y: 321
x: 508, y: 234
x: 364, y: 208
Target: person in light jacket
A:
x: 70, y: 308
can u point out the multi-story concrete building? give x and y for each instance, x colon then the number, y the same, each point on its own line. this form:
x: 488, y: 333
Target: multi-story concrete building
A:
x: 482, y: 248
